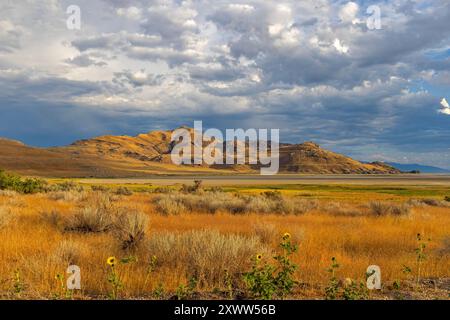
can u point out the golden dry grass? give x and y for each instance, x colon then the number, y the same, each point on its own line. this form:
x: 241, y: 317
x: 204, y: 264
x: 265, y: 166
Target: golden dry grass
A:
x: 35, y: 246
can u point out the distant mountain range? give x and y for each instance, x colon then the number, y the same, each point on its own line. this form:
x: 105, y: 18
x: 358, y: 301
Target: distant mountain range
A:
x: 149, y: 154
x: 407, y: 167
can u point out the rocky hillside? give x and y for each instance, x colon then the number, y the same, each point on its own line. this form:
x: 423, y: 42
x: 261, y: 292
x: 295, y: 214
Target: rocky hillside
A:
x: 149, y: 154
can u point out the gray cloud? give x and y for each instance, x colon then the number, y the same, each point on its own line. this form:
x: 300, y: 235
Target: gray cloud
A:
x: 311, y: 68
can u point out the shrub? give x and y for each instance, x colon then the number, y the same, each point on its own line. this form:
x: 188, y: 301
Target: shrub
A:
x: 297, y: 206
x: 67, y: 252
x: 5, y: 217
x: 123, y: 191
x: 8, y: 193
x: 163, y: 190
x: 169, y: 205
x: 340, y: 209
x: 71, y: 196
x: 216, y: 189
x: 9, y: 181
x: 347, y: 290
x: 265, y: 232
x: 447, y: 198
x: 266, y: 280
x: 184, y: 291
x: 65, y: 186
x: 130, y: 229
x: 13, y: 182
x: 445, y: 249
x: 429, y: 202
x: 205, y: 253
x: 401, y: 210
x: 332, y: 290
x: 53, y: 218
x: 198, y: 185
x: 212, y: 202
x: 354, y: 291
x: 384, y: 208
x: 97, y: 215
x: 99, y: 188
x: 90, y: 219
x: 274, y: 195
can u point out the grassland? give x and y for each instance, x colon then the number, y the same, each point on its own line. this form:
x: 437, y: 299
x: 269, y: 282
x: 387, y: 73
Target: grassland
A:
x: 186, y: 242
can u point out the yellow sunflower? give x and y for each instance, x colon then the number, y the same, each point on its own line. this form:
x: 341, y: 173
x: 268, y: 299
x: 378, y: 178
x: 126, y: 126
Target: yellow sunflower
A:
x: 348, y: 282
x: 286, y: 236
x: 111, y: 261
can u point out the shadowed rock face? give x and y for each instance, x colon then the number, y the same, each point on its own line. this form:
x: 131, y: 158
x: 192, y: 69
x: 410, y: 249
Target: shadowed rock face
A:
x: 149, y: 154
x: 309, y: 157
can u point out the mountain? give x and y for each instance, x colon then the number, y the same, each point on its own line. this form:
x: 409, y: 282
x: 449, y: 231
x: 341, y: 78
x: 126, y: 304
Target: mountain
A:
x: 149, y: 154
x: 404, y: 167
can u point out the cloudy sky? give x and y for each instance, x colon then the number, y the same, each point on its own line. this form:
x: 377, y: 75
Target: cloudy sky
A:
x: 312, y: 68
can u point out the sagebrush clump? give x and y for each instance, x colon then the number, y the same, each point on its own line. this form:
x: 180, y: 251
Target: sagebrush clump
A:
x: 378, y: 208
x: 5, y: 217
x: 9, y: 181
x: 214, y: 202
x: 205, y: 254
x: 130, y: 228
x: 96, y: 215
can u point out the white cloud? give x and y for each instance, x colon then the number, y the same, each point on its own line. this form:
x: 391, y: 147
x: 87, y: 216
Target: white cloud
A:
x: 340, y: 47
x: 349, y: 12
x: 241, y: 7
x: 445, y: 107
x: 132, y: 13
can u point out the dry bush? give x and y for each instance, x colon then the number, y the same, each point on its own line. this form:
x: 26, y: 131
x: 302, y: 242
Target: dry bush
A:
x: 99, y: 188
x: 67, y: 252
x: 197, y: 187
x: 69, y: 196
x: 445, y: 249
x: 298, y: 205
x: 378, y: 208
x: 163, y: 189
x: 8, y: 193
x: 266, y: 232
x: 53, y: 218
x: 216, y: 189
x: 64, y: 186
x: 340, y: 209
x: 261, y: 205
x: 89, y: 219
x: 15, y: 201
x: 5, y: 217
x: 130, y: 228
x: 429, y: 202
x: 208, y: 202
x: 123, y: 191
x: 274, y: 195
x: 213, y: 202
x: 169, y: 205
x: 415, y: 203
x: 206, y: 254
x: 97, y: 215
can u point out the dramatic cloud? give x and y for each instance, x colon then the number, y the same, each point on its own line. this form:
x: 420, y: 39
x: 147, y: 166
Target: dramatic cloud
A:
x: 315, y: 69
x: 445, y: 107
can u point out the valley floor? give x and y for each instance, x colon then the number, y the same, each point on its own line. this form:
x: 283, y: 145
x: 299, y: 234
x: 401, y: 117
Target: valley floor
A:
x: 200, y: 242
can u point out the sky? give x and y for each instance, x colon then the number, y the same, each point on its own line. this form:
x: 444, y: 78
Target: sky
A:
x: 315, y: 69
